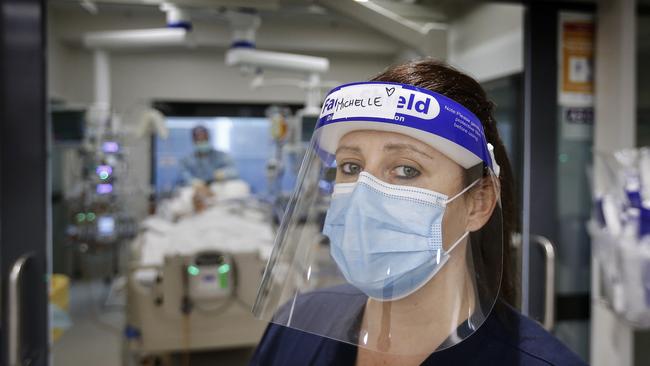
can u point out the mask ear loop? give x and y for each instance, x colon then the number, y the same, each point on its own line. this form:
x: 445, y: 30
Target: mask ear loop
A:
x: 463, y: 191
x: 458, y: 241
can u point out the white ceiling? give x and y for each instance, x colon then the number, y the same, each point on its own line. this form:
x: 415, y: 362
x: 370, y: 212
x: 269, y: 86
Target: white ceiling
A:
x: 411, y: 10
x: 416, y: 25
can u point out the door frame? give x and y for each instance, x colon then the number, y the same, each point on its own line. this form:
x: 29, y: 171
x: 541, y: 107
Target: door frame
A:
x: 24, y: 181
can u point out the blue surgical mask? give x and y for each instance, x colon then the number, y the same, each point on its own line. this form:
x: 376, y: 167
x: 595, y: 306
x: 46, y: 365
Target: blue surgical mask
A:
x: 202, y: 147
x: 387, y: 239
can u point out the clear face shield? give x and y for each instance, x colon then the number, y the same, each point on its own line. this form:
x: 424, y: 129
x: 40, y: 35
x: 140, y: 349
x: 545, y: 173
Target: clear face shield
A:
x: 392, y: 240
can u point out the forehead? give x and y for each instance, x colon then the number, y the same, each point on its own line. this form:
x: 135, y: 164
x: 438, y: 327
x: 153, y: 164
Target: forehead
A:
x: 390, y: 141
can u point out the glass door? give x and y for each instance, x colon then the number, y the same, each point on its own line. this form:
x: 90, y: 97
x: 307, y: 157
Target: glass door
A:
x: 556, y: 150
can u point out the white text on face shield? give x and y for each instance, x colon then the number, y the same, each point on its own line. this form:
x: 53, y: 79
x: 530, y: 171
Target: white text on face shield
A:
x: 417, y: 105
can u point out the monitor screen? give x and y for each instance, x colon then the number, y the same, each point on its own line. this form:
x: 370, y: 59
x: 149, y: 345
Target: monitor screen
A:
x: 106, y: 225
x: 68, y: 125
x: 104, y: 188
x: 308, y: 126
x: 110, y: 147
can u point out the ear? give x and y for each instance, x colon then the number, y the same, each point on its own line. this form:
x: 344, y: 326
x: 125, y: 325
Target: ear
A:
x: 481, y: 202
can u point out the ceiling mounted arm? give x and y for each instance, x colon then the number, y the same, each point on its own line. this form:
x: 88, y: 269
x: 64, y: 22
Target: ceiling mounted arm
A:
x: 428, y: 38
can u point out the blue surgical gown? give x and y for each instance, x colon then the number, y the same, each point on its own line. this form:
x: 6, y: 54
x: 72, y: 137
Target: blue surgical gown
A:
x: 506, y: 338
x: 204, y: 166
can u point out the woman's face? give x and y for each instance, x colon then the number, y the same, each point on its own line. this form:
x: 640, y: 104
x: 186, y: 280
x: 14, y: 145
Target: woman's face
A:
x: 399, y: 159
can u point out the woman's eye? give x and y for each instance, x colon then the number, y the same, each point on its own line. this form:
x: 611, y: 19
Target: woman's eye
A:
x: 350, y: 168
x: 406, y: 171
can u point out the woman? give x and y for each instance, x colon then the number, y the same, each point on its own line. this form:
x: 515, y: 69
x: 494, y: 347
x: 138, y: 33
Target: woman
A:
x: 419, y: 214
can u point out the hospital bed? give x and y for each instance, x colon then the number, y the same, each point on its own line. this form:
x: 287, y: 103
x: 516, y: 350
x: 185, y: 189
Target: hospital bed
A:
x: 191, y: 284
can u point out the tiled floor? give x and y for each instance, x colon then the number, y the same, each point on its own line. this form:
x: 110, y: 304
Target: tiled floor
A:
x: 95, y: 336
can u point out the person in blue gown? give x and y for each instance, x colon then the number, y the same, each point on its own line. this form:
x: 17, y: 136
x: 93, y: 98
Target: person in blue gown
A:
x: 205, y: 164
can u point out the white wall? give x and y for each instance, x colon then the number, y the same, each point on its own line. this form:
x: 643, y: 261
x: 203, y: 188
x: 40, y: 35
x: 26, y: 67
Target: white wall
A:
x: 199, y: 74
x: 487, y: 41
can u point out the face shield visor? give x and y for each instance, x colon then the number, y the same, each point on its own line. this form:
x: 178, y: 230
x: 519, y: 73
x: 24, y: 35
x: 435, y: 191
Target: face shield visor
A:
x: 392, y: 240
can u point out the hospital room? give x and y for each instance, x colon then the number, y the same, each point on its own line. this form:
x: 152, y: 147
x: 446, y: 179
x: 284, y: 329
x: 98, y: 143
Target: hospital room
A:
x: 324, y: 182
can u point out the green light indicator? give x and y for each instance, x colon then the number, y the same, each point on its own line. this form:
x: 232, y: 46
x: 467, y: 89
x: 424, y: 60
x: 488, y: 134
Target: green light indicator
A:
x: 91, y: 216
x: 193, y: 270
x: 223, y: 280
x: 223, y: 269
x: 81, y: 217
x: 103, y: 175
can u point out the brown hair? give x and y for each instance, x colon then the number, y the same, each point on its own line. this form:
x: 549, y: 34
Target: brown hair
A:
x: 441, y: 78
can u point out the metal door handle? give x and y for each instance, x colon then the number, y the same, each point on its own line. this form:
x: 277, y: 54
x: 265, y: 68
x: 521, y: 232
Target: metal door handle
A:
x: 549, y: 291
x: 14, y: 302
x: 549, y: 264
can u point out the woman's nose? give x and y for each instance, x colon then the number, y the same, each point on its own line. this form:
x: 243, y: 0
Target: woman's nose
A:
x: 376, y: 171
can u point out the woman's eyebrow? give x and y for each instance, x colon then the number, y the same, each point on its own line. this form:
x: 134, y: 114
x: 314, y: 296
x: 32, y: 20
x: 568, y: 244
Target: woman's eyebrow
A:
x: 353, y: 149
x: 397, y: 147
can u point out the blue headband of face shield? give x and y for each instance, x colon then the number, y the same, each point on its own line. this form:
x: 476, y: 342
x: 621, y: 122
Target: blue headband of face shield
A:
x: 420, y: 113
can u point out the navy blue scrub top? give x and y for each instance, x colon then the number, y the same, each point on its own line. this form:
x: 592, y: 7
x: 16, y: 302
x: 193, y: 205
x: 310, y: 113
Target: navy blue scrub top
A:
x: 505, y: 339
